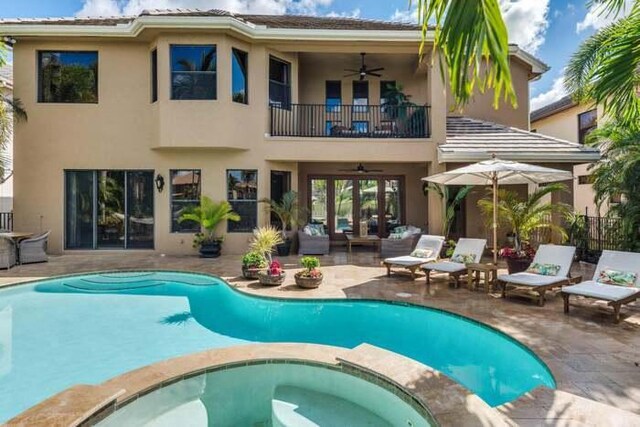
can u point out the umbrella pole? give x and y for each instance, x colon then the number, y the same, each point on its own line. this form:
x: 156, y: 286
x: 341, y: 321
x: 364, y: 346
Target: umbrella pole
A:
x: 494, y: 180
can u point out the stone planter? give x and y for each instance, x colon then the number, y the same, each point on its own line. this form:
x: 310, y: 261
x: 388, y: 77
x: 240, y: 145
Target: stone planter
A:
x: 269, y: 280
x: 307, y: 282
x: 517, y: 265
x: 251, y: 273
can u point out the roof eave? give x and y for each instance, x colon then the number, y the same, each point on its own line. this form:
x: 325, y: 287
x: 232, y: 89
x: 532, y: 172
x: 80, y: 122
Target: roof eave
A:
x: 537, y: 66
x: 542, y: 157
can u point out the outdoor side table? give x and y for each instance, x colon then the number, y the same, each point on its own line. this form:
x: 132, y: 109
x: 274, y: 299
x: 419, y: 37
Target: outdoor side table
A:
x: 477, y: 273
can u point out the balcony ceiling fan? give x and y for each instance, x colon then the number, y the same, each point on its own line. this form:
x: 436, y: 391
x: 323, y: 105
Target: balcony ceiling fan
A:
x: 360, y: 169
x: 363, y: 72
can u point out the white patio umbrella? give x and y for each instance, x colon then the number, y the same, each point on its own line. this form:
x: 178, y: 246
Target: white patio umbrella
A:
x: 495, y: 171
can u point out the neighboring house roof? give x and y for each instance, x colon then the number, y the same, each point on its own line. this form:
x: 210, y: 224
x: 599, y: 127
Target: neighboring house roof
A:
x: 553, y: 108
x: 470, y: 140
x: 6, y: 76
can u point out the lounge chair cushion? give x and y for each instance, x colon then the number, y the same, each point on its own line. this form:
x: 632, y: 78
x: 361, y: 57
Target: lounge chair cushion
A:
x: 530, y: 279
x: 408, y: 260
x: 544, y: 269
x: 445, y: 266
x: 422, y: 253
x: 601, y: 291
x: 616, y: 277
x: 464, y: 258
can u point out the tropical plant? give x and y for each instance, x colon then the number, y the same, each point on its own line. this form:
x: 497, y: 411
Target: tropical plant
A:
x: 254, y: 259
x: 576, y: 224
x: 209, y: 215
x: 449, y: 205
x: 617, y: 175
x: 525, y: 216
x: 264, y: 240
x: 288, y: 211
x: 605, y: 69
x: 10, y: 109
x: 312, y: 267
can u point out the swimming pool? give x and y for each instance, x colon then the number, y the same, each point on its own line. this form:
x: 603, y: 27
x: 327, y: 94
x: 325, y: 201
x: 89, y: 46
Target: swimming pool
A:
x: 86, y: 329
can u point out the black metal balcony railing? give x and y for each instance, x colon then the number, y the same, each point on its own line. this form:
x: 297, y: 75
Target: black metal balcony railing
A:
x: 350, y: 121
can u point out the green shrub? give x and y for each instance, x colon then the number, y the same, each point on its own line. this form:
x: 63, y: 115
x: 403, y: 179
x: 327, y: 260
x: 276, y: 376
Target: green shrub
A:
x: 254, y: 259
x: 310, y: 262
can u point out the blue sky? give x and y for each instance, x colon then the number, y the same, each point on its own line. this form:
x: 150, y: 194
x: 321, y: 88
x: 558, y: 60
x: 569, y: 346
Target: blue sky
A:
x: 551, y: 29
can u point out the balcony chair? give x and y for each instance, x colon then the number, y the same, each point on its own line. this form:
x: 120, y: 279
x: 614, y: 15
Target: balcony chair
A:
x: 34, y: 249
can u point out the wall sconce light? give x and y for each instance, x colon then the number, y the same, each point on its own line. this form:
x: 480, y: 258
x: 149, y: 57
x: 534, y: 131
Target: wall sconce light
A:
x: 159, y: 183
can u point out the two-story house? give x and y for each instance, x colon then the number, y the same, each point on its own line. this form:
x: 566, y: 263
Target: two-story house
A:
x: 132, y: 119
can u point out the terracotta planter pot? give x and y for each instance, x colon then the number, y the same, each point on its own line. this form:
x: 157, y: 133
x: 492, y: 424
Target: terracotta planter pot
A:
x: 308, y: 282
x: 268, y: 280
x: 517, y: 265
x: 251, y: 273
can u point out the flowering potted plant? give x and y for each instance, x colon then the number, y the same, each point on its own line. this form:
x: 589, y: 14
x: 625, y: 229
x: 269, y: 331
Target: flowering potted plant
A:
x: 252, y: 263
x: 264, y: 241
x: 311, y: 276
x: 518, y: 259
x: 273, y: 276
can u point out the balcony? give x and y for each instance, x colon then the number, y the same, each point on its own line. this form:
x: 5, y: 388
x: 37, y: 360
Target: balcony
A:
x: 350, y: 121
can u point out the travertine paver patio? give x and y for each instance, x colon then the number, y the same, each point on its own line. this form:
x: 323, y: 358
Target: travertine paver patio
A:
x: 591, y: 358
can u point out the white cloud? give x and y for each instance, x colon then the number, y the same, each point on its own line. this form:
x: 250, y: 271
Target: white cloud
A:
x: 596, y: 19
x: 527, y: 22
x: 355, y: 13
x: 133, y: 7
x: 556, y: 92
x: 406, y: 14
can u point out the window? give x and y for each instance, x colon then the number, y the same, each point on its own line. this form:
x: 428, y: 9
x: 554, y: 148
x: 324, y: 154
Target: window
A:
x: 193, y: 72
x: 360, y: 96
x: 242, y: 193
x: 333, y: 95
x: 240, y: 76
x: 279, y: 83
x: 585, y: 179
x: 154, y: 75
x: 70, y: 77
x: 387, y: 88
x: 587, y: 122
x: 185, y: 193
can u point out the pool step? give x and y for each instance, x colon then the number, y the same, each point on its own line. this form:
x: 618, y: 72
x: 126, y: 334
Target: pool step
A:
x: 300, y: 407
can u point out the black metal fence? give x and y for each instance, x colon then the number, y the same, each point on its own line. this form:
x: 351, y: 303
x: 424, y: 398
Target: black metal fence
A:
x: 350, y: 121
x: 6, y: 221
x: 593, y: 234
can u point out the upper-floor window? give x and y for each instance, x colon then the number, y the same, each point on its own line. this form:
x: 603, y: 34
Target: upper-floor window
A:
x: 193, y: 72
x: 587, y: 122
x: 66, y: 76
x: 333, y: 95
x: 154, y: 75
x: 279, y: 83
x: 239, y: 76
x: 185, y: 194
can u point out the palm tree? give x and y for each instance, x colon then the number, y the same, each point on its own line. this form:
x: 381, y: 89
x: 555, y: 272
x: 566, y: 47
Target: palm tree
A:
x: 471, y: 39
x: 526, y: 216
x: 10, y: 109
x: 606, y: 68
x: 617, y: 175
x: 448, y: 205
x: 288, y: 211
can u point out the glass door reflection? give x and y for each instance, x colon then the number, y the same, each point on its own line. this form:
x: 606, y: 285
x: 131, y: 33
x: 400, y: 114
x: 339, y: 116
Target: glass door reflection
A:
x: 111, y: 209
x: 368, y: 206
x: 343, y: 202
x: 392, y: 205
x: 140, y: 210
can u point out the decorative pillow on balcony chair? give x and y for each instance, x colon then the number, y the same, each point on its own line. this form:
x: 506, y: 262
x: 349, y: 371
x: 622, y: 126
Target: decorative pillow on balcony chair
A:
x: 464, y: 258
x: 616, y: 277
x: 544, y: 269
x: 422, y: 253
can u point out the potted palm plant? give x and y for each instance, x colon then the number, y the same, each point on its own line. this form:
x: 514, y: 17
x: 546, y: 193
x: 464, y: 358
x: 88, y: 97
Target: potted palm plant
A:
x: 209, y: 215
x: 264, y: 241
x: 524, y: 217
x: 311, y: 276
x: 288, y: 211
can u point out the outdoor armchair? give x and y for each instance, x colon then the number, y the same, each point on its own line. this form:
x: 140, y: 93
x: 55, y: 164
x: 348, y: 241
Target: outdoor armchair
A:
x: 428, y: 247
x: 618, y: 267
x: 34, y: 249
x: 7, y: 252
x: 312, y: 245
x: 549, y: 259
x: 467, y: 251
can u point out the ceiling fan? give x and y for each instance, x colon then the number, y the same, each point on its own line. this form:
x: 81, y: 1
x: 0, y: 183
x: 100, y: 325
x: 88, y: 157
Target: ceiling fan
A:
x: 360, y: 169
x: 363, y: 72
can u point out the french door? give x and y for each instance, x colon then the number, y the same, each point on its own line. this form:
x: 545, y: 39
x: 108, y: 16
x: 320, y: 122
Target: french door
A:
x: 344, y: 203
x: 109, y: 209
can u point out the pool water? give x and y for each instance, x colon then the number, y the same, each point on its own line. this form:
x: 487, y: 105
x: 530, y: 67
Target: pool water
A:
x: 86, y: 329
x: 259, y: 395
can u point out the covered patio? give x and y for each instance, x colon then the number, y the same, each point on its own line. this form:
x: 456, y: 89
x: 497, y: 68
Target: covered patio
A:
x: 595, y: 363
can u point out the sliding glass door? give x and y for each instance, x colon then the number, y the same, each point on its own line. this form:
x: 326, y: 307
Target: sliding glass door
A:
x: 109, y: 209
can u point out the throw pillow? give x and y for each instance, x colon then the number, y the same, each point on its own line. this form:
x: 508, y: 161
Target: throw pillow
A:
x: 395, y: 236
x: 308, y: 230
x: 422, y: 253
x: 400, y: 229
x: 544, y: 269
x: 463, y: 258
x: 616, y: 277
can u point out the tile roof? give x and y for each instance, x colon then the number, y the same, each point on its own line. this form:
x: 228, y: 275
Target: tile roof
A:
x: 469, y: 138
x: 550, y: 109
x: 270, y: 21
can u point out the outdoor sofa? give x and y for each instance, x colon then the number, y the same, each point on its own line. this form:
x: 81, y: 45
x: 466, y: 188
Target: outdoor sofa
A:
x: 317, y: 243
x: 467, y: 251
x: 34, y: 249
x: 400, y: 243
x: 426, y: 250
x: 549, y: 269
x: 622, y: 268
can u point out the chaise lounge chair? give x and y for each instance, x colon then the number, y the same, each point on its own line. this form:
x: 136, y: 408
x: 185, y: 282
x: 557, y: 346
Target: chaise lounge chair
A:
x: 467, y: 251
x: 621, y: 268
x: 550, y: 269
x: 427, y: 250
